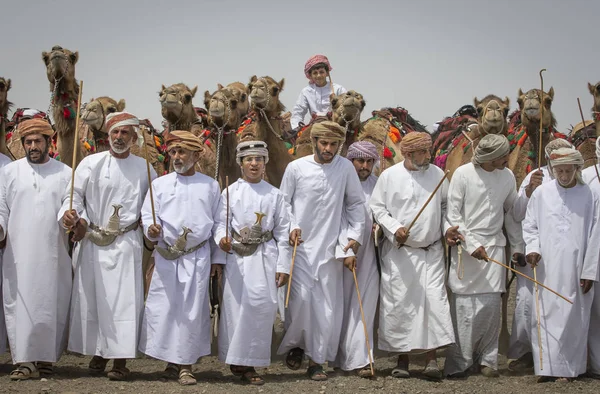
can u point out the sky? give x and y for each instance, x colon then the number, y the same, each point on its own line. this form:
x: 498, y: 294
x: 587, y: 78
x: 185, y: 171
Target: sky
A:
x: 428, y: 56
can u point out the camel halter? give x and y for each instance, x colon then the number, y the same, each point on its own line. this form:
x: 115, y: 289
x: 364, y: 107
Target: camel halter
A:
x: 262, y: 109
x: 54, y: 93
x: 485, y: 111
x: 220, y: 132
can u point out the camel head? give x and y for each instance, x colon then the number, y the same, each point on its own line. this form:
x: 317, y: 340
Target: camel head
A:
x: 264, y: 94
x: 95, y: 112
x: 176, y: 103
x: 530, y: 104
x: 491, y: 114
x: 4, y: 103
x: 594, y: 90
x: 60, y: 66
x: 226, y: 106
x: 347, y: 108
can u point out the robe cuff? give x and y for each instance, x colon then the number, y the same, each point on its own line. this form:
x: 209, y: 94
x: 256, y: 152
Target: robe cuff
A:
x: 517, y: 248
x: 471, y: 244
x: 532, y: 249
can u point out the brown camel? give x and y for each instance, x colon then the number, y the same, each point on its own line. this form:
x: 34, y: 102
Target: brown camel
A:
x: 64, y: 88
x: 264, y: 123
x: 523, y: 131
x: 226, y: 108
x: 492, y: 112
x: 583, y: 137
x: 595, y: 91
x: 346, y: 111
x: 4, y: 107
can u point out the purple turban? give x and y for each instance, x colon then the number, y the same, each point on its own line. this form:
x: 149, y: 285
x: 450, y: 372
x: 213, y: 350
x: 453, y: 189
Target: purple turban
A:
x: 362, y: 150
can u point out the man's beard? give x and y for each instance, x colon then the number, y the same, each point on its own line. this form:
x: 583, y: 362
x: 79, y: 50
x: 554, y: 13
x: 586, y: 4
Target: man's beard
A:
x: 42, y: 157
x: 421, y: 167
x: 363, y: 175
x: 119, y: 150
x: 182, y: 168
x: 321, y: 157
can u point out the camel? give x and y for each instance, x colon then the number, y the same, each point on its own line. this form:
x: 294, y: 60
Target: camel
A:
x: 583, y: 137
x: 60, y: 70
x: 4, y: 107
x: 226, y: 108
x: 385, y: 130
x: 179, y: 113
x: 523, y: 131
x: 346, y: 111
x: 264, y: 123
x: 491, y: 119
x: 595, y: 91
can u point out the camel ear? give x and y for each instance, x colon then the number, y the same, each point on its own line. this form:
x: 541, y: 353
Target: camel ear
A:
x: 281, y: 84
x: 194, y: 90
x: 207, y: 97
x: 506, y: 101
x: 333, y: 100
x: 45, y: 57
x: 591, y: 88
x: 476, y: 102
x: 219, y: 86
x: 8, y: 85
x: 121, y: 105
x: 519, y: 93
x: 74, y: 57
x: 253, y: 79
x: 551, y: 92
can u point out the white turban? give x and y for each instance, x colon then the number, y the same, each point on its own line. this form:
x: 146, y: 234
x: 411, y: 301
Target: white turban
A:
x: 556, y: 144
x: 568, y: 156
x: 120, y: 119
x: 490, y: 148
x: 251, y: 148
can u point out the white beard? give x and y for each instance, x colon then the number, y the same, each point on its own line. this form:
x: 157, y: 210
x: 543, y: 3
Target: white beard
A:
x: 119, y: 151
x: 182, y: 169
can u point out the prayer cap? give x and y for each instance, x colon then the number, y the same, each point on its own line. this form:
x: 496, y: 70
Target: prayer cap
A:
x: 35, y: 126
x: 120, y: 119
x: 183, y: 139
x: 251, y: 148
x: 556, y: 144
x: 362, y: 150
x: 490, y: 148
x: 313, y: 61
x: 415, y: 141
x: 328, y: 130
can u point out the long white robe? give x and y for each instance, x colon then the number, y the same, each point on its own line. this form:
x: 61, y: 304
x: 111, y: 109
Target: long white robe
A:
x: 562, y: 226
x: 36, y: 272
x: 352, y: 353
x: 520, y: 336
x: 318, y: 193
x: 414, y: 310
x: 480, y: 203
x: 590, y: 176
x: 176, y: 326
x: 107, y: 299
x: 4, y: 160
x: 249, y: 287
x: 314, y: 100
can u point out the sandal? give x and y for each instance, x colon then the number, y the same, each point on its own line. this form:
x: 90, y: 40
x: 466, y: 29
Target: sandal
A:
x: 294, y: 358
x: 45, y: 368
x: 237, y: 370
x: 364, y: 372
x: 97, y: 365
x: 251, y: 377
x: 316, y: 372
x: 119, y: 374
x: 186, y: 377
x: 24, y: 371
x: 171, y: 372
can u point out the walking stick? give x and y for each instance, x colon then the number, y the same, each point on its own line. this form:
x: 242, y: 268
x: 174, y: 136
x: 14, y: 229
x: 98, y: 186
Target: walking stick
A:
x: 287, y: 297
x: 331, y: 82
x: 149, y: 179
x: 75, y: 141
x: 537, y: 296
x: 362, y: 315
x: 583, y: 120
x: 227, y: 209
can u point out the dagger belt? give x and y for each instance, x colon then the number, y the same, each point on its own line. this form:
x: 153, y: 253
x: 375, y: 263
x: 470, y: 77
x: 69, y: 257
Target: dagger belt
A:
x: 104, y: 237
x: 264, y: 237
x: 172, y: 253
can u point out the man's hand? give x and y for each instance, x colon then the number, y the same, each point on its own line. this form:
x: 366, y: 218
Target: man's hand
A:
x: 281, y: 279
x: 216, y: 269
x: 79, y: 230
x: 586, y: 285
x: 154, y: 230
x: 533, y: 259
x: 350, y: 263
x: 296, y: 234
x: 518, y: 259
x: 70, y: 219
x: 453, y: 236
x: 401, y: 235
x: 536, y: 179
x: 352, y: 244
x: 480, y: 253
x: 225, y: 244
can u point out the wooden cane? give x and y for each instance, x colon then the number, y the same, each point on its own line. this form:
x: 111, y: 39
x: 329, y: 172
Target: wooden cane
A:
x: 540, y: 142
x: 331, y: 82
x: 583, y: 120
x: 75, y: 141
x: 149, y: 179
x: 530, y: 278
x: 362, y: 315
x: 287, y: 297
x: 227, y: 208
x: 428, y: 200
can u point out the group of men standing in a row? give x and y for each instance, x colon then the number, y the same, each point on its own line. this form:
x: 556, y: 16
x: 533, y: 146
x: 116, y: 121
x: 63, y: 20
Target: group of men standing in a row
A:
x: 245, y: 236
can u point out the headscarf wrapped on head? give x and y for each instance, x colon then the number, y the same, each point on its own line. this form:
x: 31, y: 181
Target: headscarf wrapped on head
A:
x: 362, y: 150
x: 568, y: 156
x: 35, y: 126
x: 251, y: 148
x: 490, y: 148
x: 120, y: 119
x: 313, y: 61
x: 415, y: 141
x: 328, y: 130
x: 183, y: 139
x: 555, y: 144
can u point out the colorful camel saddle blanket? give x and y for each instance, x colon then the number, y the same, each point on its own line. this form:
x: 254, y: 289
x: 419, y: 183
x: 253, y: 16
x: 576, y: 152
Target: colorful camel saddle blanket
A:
x: 173, y: 253
x: 104, y: 237
x: 247, y: 243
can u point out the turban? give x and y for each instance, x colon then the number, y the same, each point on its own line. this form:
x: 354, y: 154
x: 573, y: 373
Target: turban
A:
x: 362, y: 150
x: 251, y: 148
x: 415, y: 141
x: 313, y: 61
x: 598, y: 147
x: 120, y: 119
x: 556, y: 144
x: 490, y: 148
x: 35, y: 126
x: 183, y: 139
x: 328, y: 130
x: 568, y: 156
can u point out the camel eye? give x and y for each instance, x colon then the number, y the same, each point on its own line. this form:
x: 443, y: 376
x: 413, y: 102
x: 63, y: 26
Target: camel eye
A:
x: 187, y: 97
x: 111, y: 109
x: 275, y: 90
x: 597, y: 88
x: 2, y: 85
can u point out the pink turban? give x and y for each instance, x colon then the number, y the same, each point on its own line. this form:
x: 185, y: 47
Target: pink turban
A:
x: 415, y: 141
x: 362, y: 150
x: 313, y: 61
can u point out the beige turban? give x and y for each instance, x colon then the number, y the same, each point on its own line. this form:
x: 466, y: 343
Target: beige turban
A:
x: 328, y: 130
x: 490, y: 148
x: 568, y: 156
x: 415, y: 141
x: 251, y: 148
x: 35, y: 126
x: 183, y: 139
x: 556, y: 144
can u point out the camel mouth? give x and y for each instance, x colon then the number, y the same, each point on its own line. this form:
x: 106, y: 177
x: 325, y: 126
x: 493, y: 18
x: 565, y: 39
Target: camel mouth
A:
x: 170, y: 103
x: 532, y: 112
x: 218, y: 113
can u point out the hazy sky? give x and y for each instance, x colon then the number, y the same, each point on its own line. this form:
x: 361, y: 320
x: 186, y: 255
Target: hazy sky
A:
x: 430, y: 57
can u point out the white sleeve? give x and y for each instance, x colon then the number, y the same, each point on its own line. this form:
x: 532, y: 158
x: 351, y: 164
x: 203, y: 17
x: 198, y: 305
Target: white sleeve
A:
x: 454, y: 209
x: 299, y: 111
x: 380, y: 210
x: 354, y: 205
x: 591, y: 260
x: 288, y: 188
x: 4, y: 209
x: 281, y: 233
x: 531, y: 234
x: 80, y: 184
x: 147, y: 217
x: 511, y: 222
x: 217, y: 256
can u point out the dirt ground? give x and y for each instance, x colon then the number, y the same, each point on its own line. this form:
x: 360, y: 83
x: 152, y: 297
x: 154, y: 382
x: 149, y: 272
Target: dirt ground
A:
x: 71, y: 376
